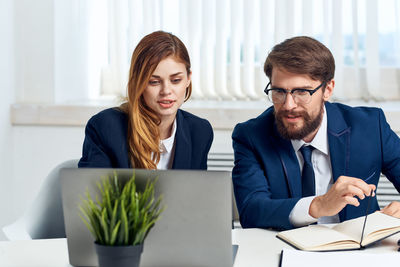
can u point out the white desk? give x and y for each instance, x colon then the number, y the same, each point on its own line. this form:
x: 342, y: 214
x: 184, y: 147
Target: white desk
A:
x: 257, y: 247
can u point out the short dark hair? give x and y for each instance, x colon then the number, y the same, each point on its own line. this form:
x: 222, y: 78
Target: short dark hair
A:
x: 302, y: 55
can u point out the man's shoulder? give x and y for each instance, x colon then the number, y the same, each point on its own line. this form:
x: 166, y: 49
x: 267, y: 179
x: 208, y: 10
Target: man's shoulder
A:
x: 260, y: 127
x: 357, y: 113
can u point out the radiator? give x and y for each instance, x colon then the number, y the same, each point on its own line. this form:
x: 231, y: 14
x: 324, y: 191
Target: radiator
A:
x: 386, y: 192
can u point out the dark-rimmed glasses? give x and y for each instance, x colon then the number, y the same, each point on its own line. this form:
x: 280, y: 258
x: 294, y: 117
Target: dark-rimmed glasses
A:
x: 300, y: 95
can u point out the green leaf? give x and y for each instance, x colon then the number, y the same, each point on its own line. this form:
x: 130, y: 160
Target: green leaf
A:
x: 114, y: 233
x: 104, y: 225
x: 124, y: 220
x: 121, y: 214
x: 114, y: 215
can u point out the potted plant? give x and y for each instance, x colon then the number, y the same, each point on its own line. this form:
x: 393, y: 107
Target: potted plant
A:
x: 120, y: 220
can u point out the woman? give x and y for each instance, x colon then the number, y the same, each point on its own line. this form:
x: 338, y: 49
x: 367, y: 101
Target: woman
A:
x: 149, y: 131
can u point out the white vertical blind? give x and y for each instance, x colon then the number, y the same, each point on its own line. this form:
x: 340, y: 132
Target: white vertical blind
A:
x: 135, y: 22
x: 207, y: 48
x: 193, y: 44
x: 327, y: 22
x: 221, y: 49
x: 228, y: 41
x: 118, y: 42
x: 372, y: 61
x: 249, y: 24
x: 282, y: 23
x: 151, y: 15
x: 337, y: 46
x: 356, y: 88
x: 266, y: 33
x: 235, y: 49
x: 307, y: 14
x: 397, y: 28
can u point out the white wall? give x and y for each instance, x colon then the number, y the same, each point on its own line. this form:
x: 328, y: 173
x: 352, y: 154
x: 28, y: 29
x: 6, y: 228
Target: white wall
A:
x: 27, y: 74
x: 6, y: 99
x: 34, y: 50
x: 51, y: 50
x: 37, y: 150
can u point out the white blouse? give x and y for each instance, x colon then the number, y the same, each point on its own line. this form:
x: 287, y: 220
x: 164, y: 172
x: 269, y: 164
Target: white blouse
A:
x: 167, y: 149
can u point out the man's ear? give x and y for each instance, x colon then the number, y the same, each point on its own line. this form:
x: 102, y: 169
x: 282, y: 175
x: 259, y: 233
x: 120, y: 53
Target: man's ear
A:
x: 329, y: 89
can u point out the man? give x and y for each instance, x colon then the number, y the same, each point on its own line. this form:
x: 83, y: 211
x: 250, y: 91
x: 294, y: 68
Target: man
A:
x: 306, y: 160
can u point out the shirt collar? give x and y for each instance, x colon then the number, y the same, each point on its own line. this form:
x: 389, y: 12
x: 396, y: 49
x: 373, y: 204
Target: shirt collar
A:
x: 166, y: 145
x: 320, y: 140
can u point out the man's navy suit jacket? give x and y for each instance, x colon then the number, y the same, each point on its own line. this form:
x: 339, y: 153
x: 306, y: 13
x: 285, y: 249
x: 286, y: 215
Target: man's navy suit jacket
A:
x: 267, y: 178
x: 105, y: 144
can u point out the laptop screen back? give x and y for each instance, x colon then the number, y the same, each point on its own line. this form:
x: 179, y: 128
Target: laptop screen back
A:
x: 194, y: 229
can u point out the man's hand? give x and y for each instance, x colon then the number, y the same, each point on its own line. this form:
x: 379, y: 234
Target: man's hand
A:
x: 393, y: 209
x: 343, y: 192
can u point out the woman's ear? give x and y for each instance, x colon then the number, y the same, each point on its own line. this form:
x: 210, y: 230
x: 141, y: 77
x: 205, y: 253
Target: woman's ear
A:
x: 189, y: 79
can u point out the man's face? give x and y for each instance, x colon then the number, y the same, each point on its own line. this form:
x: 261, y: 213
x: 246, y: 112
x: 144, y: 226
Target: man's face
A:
x: 295, y: 120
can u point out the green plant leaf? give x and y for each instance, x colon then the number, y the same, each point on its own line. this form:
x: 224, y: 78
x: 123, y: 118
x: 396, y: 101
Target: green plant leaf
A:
x: 121, y: 214
x: 104, y: 225
x: 114, y: 215
x: 114, y: 233
x: 85, y: 219
x: 125, y: 226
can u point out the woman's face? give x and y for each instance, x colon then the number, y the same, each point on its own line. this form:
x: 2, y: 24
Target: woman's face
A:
x: 166, y: 89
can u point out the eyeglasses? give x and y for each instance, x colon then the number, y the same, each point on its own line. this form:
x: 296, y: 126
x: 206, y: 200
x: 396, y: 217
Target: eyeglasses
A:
x: 300, y: 95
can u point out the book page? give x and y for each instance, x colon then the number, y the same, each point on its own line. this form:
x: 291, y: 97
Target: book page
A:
x: 352, y: 228
x: 314, y: 237
x: 375, y: 227
x: 379, y: 226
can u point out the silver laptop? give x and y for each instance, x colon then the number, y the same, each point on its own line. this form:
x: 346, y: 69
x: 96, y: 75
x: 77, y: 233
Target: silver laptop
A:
x: 194, y: 229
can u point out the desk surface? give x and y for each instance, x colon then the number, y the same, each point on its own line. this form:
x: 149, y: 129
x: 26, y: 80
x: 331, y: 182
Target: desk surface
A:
x: 257, y: 247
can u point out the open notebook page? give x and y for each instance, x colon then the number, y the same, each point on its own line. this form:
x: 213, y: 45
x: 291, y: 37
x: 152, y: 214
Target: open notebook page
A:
x: 375, y: 222
x: 313, y: 236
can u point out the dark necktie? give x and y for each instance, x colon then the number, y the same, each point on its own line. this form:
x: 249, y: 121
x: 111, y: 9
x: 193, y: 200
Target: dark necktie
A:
x: 307, y: 176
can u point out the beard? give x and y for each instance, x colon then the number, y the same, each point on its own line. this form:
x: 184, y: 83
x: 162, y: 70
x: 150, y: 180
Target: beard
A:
x: 290, y: 132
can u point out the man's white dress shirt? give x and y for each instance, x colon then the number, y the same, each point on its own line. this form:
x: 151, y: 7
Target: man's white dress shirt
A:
x: 321, y: 162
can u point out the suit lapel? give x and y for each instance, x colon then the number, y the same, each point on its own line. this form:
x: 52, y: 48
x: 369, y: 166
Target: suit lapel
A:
x: 289, y: 162
x: 339, y: 145
x: 339, y: 141
x: 183, y: 148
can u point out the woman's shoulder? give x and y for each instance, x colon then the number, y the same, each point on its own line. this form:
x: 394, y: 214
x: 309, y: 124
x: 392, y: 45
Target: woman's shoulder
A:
x: 114, y: 113
x: 111, y: 117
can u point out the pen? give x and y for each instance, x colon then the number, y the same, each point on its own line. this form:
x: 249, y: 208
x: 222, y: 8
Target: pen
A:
x: 366, y: 214
x: 369, y: 177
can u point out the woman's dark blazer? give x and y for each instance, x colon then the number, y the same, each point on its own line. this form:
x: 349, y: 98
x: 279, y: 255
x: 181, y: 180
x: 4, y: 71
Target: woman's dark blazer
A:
x: 105, y: 144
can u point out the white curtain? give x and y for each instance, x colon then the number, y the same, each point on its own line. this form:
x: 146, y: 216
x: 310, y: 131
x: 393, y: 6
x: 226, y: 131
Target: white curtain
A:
x: 228, y: 41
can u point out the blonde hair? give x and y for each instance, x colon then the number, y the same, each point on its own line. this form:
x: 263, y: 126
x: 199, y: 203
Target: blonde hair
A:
x: 143, y: 131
